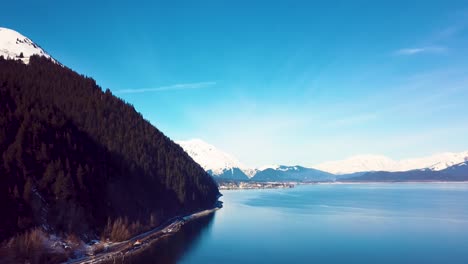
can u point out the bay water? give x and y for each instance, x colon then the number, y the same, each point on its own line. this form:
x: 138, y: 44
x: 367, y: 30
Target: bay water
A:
x: 327, y: 223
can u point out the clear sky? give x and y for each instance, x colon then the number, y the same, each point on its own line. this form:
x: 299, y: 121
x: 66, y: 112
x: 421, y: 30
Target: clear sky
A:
x: 285, y: 82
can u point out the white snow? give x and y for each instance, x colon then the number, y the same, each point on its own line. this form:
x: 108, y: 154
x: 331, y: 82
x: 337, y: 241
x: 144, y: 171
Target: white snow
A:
x: 278, y: 168
x: 273, y: 166
x: 382, y: 163
x: 211, y: 158
x: 12, y: 44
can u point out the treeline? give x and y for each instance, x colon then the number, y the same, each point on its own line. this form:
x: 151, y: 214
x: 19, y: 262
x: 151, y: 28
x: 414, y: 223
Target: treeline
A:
x: 75, y: 159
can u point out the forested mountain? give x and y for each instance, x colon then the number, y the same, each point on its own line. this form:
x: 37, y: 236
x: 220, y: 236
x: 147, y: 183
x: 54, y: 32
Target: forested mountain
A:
x: 75, y: 159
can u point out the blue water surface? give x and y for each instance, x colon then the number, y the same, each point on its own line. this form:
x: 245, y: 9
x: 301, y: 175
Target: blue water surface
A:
x: 336, y: 223
x: 326, y: 223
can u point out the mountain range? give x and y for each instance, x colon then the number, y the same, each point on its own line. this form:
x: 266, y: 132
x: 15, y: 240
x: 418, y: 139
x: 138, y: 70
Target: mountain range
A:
x: 457, y: 172
x: 363, y: 163
x: 224, y: 166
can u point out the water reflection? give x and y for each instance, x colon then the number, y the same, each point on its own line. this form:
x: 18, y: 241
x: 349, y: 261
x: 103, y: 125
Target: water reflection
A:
x: 172, y: 248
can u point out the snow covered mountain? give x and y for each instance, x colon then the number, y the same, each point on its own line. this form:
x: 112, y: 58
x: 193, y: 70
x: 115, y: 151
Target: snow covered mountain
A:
x: 363, y: 163
x: 223, y: 165
x: 455, y: 173
x: 291, y: 173
x: 13, y: 45
x: 215, y: 161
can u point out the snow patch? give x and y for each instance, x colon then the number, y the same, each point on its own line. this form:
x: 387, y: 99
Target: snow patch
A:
x: 13, y: 45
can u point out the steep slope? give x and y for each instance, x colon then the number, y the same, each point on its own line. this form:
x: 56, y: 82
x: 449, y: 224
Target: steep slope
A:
x: 214, y: 161
x: 292, y: 173
x: 363, y: 163
x: 75, y: 159
x: 13, y: 45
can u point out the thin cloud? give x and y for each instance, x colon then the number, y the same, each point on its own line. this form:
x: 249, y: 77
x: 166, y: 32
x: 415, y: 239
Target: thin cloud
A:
x: 180, y: 86
x: 414, y: 51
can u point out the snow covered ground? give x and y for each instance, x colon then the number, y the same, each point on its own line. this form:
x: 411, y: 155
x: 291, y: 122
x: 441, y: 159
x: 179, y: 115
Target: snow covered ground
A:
x: 13, y: 45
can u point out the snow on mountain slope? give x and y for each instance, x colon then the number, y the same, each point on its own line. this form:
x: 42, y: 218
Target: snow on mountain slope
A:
x: 219, y: 163
x: 212, y: 159
x: 357, y: 164
x: 13, y: 44
x: 292, y: 173
x: 362, y: 163
x: 443, y: 160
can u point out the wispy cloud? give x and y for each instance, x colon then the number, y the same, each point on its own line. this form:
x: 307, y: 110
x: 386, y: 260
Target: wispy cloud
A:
x: 414, y: 51
x: 173, y: 87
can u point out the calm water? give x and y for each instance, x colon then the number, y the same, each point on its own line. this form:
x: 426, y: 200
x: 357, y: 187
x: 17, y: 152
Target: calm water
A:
x: 361, y: 223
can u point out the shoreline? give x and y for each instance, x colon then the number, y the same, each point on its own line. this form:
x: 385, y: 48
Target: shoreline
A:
x: 242, y: 185
x: 290, y: 185
x: 140, y: 242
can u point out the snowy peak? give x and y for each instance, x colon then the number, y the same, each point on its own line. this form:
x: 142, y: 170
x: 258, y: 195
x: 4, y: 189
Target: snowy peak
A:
x: 357, y: 164
x: 364, y: 163
x: 13, y: 45
x: 212, y: 159
x: 280, y: 168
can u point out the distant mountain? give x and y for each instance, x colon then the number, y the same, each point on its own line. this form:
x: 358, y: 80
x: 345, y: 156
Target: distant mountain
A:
x: 458, y: 172
x: 366, y: 163
x: 214, y: 161
x: 222, y: 165
x: 291, y: 173
x: 364, y: 167
x: 13, y: 45
x: 77, y: 160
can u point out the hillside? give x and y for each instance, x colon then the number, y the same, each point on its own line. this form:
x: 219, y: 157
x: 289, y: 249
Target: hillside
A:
x: 77, y: 160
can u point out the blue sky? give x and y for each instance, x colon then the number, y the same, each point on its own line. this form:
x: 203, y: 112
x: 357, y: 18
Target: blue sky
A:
x: 285, y: 82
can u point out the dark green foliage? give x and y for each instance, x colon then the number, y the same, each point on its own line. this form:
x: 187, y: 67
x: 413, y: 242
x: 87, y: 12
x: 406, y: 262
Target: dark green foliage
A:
x: 73, y: 156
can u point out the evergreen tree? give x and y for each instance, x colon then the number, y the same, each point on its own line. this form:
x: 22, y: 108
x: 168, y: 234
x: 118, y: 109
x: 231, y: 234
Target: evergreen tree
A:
x: 87, y: 154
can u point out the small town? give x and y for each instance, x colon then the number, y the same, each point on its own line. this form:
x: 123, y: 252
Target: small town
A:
x: 245, y: 185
